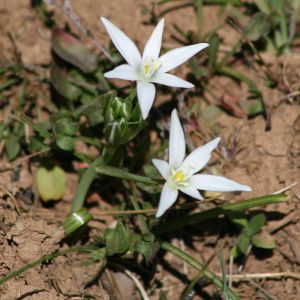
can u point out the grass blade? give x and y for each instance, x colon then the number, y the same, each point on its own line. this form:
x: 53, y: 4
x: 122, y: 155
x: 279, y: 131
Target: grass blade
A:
x: 198, y: 266
x: 224, y: 277
x: 217, y: 211
x: 122, y: 174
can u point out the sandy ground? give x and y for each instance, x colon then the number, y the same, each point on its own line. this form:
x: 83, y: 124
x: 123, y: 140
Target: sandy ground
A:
x: 267, y: 161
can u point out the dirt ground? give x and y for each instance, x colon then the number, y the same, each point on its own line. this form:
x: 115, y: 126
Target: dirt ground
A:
x: 268, y: 161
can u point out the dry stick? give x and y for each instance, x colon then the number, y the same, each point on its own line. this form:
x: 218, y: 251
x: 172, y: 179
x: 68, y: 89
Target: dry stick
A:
x: 242, y: 265
x: 22, y: 159
x: 137, y: 284
x: 140, y: 211
x: 286, y: 188
x: 119, y: 212
x: 275, y: 275
x: 263, y: 290
x: 67, y: 9
x: 13, y: 199
x: 182, y: 247
x: 291, y: 218
x: 230, y: 270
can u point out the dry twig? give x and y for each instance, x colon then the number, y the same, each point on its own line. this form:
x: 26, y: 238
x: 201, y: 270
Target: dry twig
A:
x: 275, y: 275
x: 67, y: 9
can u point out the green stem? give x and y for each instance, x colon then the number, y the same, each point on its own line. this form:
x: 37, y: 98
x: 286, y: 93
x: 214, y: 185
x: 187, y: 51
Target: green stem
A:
x: 198, y: 266
x: 44, y: 259
x: 84, y: 184
x: 123, y: 174
x: 199, y: 9
x: 89, y: 175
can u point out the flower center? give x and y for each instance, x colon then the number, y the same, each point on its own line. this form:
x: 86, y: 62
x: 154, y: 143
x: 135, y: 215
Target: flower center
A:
x: 179, y: 178
x: 150, y: 66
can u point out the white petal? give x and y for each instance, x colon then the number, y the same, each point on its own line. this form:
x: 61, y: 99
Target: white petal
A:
x: 196, y: 160
x: 176, y: 142
x: 192, y: 192
x: 176, y: 57
x: 162, y: 166
x: 217, y: 184
x: 153, y: 45
x: 126, y: 72
x: 171, y: 80
x: 145, y: 94
x: 167, y: 198
x: 123, y: 43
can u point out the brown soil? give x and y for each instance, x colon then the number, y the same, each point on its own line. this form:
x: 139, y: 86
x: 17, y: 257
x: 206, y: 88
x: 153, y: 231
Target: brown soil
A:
x: 267, y: 161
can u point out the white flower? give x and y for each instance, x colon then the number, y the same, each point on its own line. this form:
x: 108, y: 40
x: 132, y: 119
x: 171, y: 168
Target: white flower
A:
x: 179, y: 172
x: 149, y: 68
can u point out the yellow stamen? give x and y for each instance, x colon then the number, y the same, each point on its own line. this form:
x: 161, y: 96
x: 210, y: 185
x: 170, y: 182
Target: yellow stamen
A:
x: 179, y: 176
x: 147, y: 67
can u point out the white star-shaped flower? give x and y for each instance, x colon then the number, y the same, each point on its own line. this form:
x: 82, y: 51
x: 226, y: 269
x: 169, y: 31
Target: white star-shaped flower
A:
x: 180, y: 173
x: 149, y: 68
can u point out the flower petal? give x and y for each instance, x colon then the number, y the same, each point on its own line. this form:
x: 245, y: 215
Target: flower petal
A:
x: 216, y: 184
x: 153, y: 45
x: 123, y: 43
x: 192, y: 192
x: 162, y: 166
x: 176, y: 57
x: 145, y: 94
x: 125, y: 72
x: 196, y: 160
x: 167, y: 198
x: 171, y: 80
x: 176, y: 142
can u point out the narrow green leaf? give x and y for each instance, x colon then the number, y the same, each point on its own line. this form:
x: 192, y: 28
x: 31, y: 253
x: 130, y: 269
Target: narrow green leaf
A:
x: 217, y: 211
x: 122, y: 174
x: 41, y: 130
x: 213, y: 50
x: 89, y: 175
x: 237, y: 76
x: 8, y: 83
x: 41, y: 260
x: 258, y: 27
x: 190, y: 287
x: 263, y: 6
x: 224, y: 278
x: 198, y: 266
x: 199, y: 9
x: 76, y: 220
